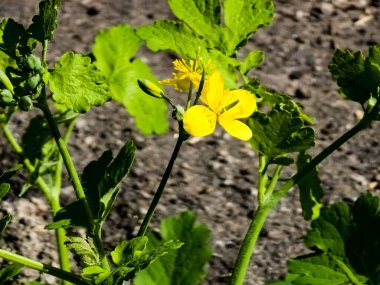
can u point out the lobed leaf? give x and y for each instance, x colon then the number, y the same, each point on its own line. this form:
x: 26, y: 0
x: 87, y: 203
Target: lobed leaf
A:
x: 311, y: 191
x: 45, y: 23
x: 186, y: 265
x: 84, y: 251
x: 279, y: 132
x: 253, y: 59
x: 11, y: 33
x: 76, y: 83
x: 122, y: 73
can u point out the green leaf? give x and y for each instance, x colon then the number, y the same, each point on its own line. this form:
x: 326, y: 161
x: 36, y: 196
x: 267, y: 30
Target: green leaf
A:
x: 345, y: 245
x: 95, y: 273
x: 72, y: 215
x: 7, y: 174
x: 45, y: 23
x: 8, y: 272
x: 122, y: 73
x: 132, y: 256
x: 202, y: 16
x: 184, y: 266
x: 358, y: 77
x: 101, y: 179
x: 166, y: 35
x: 253, y: 59
x: 311, y: 191
x: 84, y: 251
x: 77, y: 83
x: 279, y: 132
x: 6, y: 61
x: 244, y: 17
x: 4, y: 189
x: 4, y: 221
x: 11, y: 33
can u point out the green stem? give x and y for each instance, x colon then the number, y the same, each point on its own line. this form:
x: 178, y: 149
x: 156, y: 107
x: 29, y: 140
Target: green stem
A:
x: 263, y: 178
x: 257, y: 222
x: 53, y: 200
x: 160, y: 189
x: 42, y: 267
x: 44, y: 52
x: 75, y: 180
x: 273, y: 182
x: 248, y: 245
x: 189, y: 96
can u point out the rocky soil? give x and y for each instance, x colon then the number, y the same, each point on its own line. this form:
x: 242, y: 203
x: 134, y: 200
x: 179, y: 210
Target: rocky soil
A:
x: 214, y: 176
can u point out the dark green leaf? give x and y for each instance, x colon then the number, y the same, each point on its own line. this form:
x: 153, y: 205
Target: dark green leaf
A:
x: 286, y: 161
x: 358, y: 77
x: 244, y: 17
x: 279, y: 132
x: 4, y: 221
x: 346, y: 245
x: 203, y: 16
x: 11, y: 33
x: 311, y: 191
x: 45, y: 23
x: 84, y: 251
x: 76, y: 83
x: 72, y: 215
x: 7, y: 174
x: 186, y: 265
x: 122, y: 73
x: 101, y: 179
x: 8, y: 272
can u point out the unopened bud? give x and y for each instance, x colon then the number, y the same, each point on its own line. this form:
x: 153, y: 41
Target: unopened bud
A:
x: 33, y: 81
x: 6, y: 97
x: 33, y: 62
x: 150, y: 88
x: 25, y: 103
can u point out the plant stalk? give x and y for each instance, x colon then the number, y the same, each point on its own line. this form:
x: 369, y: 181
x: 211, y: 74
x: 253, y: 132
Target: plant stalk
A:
x: 160, y: 189
x: 248, y: 246
x: 31, y: 263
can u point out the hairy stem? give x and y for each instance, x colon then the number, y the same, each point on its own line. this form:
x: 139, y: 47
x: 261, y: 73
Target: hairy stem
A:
x: 160, y: 189
x: 31, y: 263
x: 258, y: 220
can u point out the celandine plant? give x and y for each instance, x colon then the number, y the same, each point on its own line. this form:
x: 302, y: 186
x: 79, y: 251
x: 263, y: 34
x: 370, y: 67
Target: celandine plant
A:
x: 206, y: 37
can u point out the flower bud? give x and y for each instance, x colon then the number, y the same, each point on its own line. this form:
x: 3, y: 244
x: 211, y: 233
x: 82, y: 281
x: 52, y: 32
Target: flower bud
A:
x: 25, y: 103
x: 150, y: 88
x: 6, y: 97
x: 33, y: 62
x: 33, y: 81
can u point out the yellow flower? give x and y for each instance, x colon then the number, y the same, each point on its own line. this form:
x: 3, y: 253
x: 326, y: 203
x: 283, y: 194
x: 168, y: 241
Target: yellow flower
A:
x: 187, y: 73
x: 223, y: 106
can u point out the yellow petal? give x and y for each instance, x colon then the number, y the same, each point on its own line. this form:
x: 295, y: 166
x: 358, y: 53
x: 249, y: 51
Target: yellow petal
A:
x: 235, y: 128
x: 245, y: 106
x: 212, y: 92
x: 199, y: 121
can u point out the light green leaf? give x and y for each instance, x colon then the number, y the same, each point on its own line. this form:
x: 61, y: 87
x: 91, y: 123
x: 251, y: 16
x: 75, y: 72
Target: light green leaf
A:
x: 253, y: 59
x: 166, y: 35
x: 132, y: 256
x: 203, y: 16
x: 122, y: 74
x: 84, y: 251
x: 311, y: 191
x: 186, y: 265
x: 6, y: 61
x: 45, y: 23
x: 77, y: 83
x: 4, y: 189
x: 279, y: 132
x: 244, y: 17
x: 95, y: 273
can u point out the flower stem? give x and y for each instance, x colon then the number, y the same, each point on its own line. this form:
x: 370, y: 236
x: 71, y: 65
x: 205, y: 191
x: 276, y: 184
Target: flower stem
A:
x: 31, y: 263
x: 248, y: 245
x: 160, y: 189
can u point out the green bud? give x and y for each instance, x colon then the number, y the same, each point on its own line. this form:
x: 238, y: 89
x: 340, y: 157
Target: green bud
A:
x: 6, y: 97
x: 33, y: 81
x: 25, y: 103
x: 33, y: 62
x: 150, y: 88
